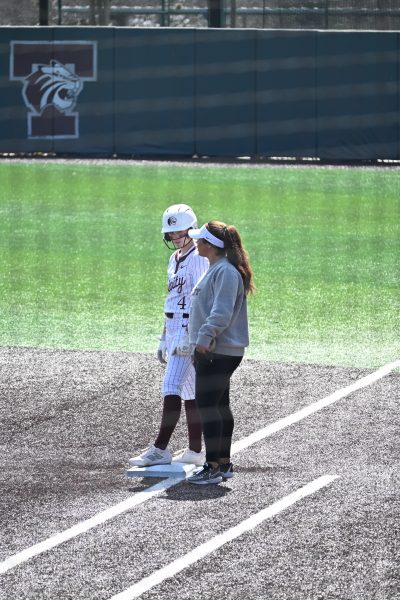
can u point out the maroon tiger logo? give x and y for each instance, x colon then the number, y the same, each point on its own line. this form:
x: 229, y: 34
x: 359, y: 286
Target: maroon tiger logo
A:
x: 52, y: 85
x: 52, y: 75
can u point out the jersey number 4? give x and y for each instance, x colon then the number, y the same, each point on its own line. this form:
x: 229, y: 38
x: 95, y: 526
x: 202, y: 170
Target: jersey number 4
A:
x: 182, y: 303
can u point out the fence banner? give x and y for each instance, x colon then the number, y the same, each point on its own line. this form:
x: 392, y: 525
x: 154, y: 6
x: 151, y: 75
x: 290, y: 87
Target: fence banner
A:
x: 333, y: 95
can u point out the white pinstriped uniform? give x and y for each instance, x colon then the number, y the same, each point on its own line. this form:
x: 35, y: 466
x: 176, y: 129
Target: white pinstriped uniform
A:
x: 183, y: 275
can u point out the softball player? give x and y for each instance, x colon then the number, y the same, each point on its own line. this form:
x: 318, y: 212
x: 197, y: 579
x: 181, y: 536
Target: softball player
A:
x: 185, y: 268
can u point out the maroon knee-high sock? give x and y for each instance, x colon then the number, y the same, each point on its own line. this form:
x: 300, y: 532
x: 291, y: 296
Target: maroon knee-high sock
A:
x: 170, y: 417
x: 194, y: 425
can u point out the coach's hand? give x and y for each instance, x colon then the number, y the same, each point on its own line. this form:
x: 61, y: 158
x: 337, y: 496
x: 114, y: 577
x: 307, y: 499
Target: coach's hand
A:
x: 202, y: 355
x: 162, y: 350
x: 206, y: 349
x: 202, y: 349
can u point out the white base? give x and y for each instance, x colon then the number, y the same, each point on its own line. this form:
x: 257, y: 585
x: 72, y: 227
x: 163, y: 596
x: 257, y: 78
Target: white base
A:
x: 175, y: 469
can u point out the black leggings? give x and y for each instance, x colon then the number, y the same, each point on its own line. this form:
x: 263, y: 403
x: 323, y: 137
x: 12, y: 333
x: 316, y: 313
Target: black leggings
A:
x: 212, y: 398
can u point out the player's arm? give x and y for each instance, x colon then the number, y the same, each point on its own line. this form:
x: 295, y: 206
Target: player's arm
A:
x: 162, y: 347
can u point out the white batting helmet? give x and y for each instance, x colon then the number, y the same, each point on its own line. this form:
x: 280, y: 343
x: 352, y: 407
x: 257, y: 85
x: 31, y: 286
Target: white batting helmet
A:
x: 178, y: 217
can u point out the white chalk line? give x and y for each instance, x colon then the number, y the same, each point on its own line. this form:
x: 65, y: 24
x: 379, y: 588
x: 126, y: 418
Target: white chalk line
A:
x: 140, y: 497
x: 84, y: 526
x: 216, y: 542
x: 313, y: 408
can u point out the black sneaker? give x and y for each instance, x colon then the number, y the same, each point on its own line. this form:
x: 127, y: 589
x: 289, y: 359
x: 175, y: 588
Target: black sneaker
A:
x: 206, y: 476
x: 226, y: 471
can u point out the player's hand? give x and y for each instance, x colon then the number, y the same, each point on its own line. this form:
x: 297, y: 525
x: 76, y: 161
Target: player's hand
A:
x: 162, y: 350
x: 181, y: 346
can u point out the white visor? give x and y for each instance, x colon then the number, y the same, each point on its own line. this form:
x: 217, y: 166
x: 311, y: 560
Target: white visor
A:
x: 204, y: 234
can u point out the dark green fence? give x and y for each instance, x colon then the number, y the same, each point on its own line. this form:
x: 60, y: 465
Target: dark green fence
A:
x: 188, y: 92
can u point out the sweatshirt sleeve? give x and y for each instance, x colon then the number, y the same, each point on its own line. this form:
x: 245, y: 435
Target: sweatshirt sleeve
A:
x: 226, y: 289
x: 199, y: 267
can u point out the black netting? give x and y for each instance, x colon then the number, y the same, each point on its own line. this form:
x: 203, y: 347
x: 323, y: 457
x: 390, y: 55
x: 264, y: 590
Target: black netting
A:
x: 268, y: 14
x: 316, y: 14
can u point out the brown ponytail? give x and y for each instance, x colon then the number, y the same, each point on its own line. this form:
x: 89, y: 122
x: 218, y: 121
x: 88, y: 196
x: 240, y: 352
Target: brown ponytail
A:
x: 234, y: 250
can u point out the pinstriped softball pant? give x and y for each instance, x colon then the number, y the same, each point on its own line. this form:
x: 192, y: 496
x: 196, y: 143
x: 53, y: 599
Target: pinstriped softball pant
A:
x: 179, y: 373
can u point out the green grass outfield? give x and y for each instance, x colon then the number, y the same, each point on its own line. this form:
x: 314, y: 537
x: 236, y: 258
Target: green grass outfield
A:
x: 83, y: 264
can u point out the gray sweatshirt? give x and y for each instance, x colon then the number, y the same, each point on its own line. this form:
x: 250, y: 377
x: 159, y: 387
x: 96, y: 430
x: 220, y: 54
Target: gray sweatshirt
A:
x: 219, y: 310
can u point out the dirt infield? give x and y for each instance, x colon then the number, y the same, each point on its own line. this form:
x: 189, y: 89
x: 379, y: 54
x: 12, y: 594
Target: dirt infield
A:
x: 71, y: 419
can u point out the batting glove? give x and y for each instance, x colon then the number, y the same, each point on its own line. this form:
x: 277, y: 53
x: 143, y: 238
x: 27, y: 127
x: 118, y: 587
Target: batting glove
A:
x: 162, y: 350
x: 181, y: 346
